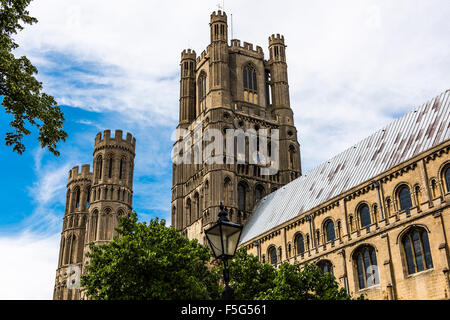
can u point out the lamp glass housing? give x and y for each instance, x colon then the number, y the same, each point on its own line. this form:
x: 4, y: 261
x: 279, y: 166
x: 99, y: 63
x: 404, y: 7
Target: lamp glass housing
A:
x: 223, y: 238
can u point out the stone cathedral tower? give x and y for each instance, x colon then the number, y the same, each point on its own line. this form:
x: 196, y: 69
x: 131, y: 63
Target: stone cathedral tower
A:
x: 231, y: 86
x: 94, y: 202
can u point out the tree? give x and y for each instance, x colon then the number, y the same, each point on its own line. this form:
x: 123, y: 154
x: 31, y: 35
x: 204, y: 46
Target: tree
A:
x: 308, y: 282
x: 150, y: 262
x: 21, y: 92
x: 252, y: 279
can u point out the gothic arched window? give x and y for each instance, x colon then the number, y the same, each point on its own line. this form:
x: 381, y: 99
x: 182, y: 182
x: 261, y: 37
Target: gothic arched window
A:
x: 259, y: 193
x: 329, y: 230
x: 325, y: 266
x: 121, y: 166
x: 77, y: 197
x: 273, y: 255
x: 110, y: 167
x: 250, y: 84
x: 188, y: 211
x: 130, y: 173
x: 88, y: 196
x: 197, y: 205
x: 404, y: 197
x: 201, y: 84
x: 300, y: 244
x: 365, y: 260
x: 364, y: 215
x: 99, y: 165
x: 241, y: 196
x: 417, y: 250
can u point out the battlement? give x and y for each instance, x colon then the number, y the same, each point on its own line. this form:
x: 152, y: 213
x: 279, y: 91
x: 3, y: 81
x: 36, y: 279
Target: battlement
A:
x: 201, y: 56
x: 235, y: 43
x: 118, y: 139
x: 220, y: 16
x: 188, y: 54
x: 276, y: 39
x: 75, y: 174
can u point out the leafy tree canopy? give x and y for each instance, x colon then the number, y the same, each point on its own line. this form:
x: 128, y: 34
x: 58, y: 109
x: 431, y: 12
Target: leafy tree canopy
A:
x: 249, y: 277
x: 252, y: 279
x: 20, y: 92
x: 150, y: 261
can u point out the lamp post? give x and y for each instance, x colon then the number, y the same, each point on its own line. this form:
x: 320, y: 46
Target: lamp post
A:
x: 223, y: 238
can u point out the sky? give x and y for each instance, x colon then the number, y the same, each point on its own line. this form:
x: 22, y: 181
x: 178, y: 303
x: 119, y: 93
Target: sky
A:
x: 353, y: 66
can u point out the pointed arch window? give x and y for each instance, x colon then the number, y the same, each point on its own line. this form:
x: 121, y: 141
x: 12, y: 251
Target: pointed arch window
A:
x: 201, y: 85
x: 110, y: 167
x: 365, y: 259
x: 77, y: 198
x: 121, y: 167
x: 99, y: 167
x: 250, y: 84
x: 197, y: 205
x: 259, y: 193
x: 130, y: 173
x: 88, y: 196
x: 188, y: 211
x: 241, y: 196
x: 417, y: 250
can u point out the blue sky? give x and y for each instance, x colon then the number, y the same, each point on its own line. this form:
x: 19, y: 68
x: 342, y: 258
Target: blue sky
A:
x: 353, y: 67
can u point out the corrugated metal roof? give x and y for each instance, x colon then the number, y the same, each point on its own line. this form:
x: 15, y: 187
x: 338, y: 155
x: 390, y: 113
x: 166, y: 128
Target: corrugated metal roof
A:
x: 401, y: 140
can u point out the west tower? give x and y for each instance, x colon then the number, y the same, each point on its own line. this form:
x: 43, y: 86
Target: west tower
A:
x: 230, y: 86
x: 94, y: 202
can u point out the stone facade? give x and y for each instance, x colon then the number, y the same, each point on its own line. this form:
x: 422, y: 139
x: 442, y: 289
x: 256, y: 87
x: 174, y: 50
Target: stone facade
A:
x: 426, y: 176
x: 231, y: 87
x: 93, y: 203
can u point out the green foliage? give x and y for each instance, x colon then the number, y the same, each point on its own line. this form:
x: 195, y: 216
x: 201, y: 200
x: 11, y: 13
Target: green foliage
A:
x: 249, y: 276
x: 150, y: 262
x: 252, y: 279
x: 308, y: 282
x: 21, y: 92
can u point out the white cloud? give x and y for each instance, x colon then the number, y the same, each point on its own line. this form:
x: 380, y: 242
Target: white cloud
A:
x: 48, y: 193
x: 352, y: 64
x: 28, y: 267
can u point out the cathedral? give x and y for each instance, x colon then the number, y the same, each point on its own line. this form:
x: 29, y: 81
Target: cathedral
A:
x: 376, y: 216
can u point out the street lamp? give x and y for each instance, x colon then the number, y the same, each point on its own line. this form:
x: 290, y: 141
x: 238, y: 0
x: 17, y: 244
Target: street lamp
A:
x: 223, y: 238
